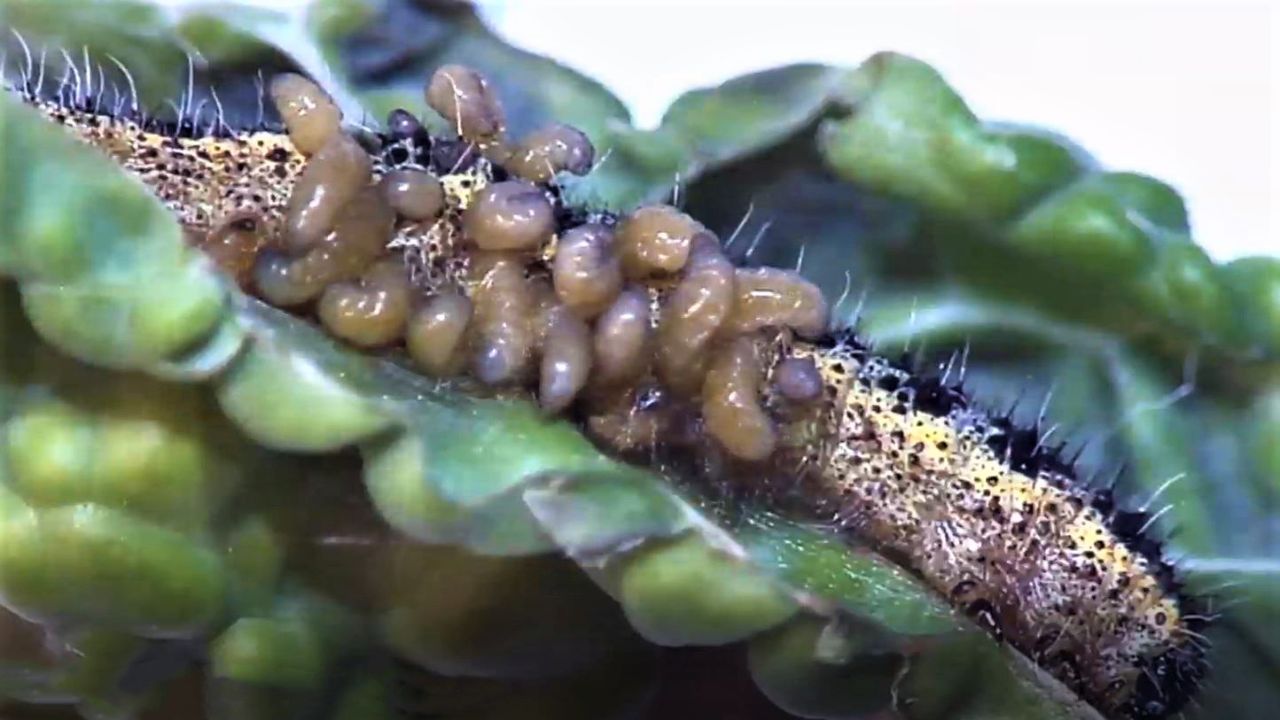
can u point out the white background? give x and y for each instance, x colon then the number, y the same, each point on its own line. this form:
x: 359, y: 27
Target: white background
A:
x: 1184, y: 91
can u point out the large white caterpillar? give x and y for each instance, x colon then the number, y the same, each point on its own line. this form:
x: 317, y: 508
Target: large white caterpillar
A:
x: 460, y: 253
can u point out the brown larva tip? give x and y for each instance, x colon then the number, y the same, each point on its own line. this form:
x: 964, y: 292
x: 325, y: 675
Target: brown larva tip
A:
x: 330, y: 180
x: 770, y: 297
x: 566, y: 360
x: 623, y: 338
x: 504, y: 338
x: 510, y: 215
x: 463, y: 97
x: 413, y: 194
x: 309, y: 114
x: 551, y: 150
x: 436, y: 333
x: 371, y: 312
x: 586, y: 270
x: 358, y: 237
x: 731, y: 402
x: 655, y: 240
x: 693, y: 314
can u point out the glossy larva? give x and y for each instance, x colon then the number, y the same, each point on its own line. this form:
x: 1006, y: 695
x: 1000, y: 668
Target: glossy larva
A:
x: 415, y: 195
x: 372, y: 311
x: 769, y: 297
x: 309, y: 114
x: 464, y: 98
x: 566, y: 359
x: 655, y: 240
x: 693, y: 316
x: 338, y: 171
x: 550, y: 150
x: 509, y: 215
x: 731, y: 402
x: 623, y: 338
x: 436, y: 333
x: 586, y: 271
x: 503, y: 326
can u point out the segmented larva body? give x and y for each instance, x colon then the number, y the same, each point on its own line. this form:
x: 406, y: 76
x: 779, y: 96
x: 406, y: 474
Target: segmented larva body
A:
x: 461, y: 251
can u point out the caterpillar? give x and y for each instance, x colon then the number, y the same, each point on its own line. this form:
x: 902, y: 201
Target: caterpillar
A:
x: 460, y: 253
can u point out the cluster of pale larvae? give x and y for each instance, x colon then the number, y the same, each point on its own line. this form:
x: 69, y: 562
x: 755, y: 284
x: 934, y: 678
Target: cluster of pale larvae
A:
x: 586, y: 306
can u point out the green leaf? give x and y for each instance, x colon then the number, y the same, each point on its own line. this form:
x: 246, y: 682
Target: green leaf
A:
x: 912, y: 135
x: 590, y: 517
x: 705, y: 129
x: 132, y: 31
x: 283, y: 401
x: 457, y: 613
x: 90, y: 564
x: 789, y: 666
x: 685, y: 592
x: 863, y: 582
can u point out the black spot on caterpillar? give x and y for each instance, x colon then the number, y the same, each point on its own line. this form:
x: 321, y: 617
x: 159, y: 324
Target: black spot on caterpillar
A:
x: 462, y: 252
